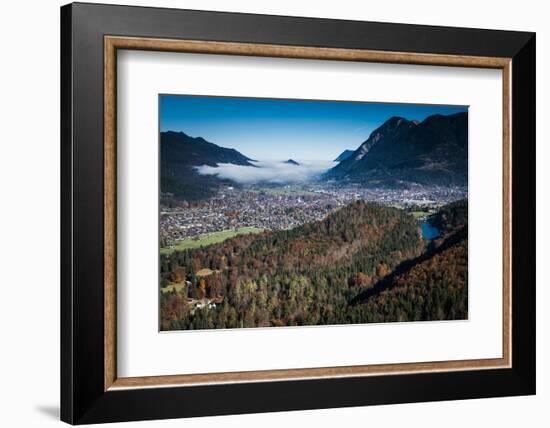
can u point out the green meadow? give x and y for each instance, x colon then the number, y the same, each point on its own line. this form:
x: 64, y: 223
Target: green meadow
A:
x: 207, y: 239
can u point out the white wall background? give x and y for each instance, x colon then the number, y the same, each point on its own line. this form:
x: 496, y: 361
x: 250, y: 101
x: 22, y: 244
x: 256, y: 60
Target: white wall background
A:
x: 29, y: 214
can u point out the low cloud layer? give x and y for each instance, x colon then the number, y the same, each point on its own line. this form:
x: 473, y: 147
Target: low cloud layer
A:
x: 268, y: 172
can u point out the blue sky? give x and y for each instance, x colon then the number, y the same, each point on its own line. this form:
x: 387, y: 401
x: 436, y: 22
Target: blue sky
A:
x: 279, y: 129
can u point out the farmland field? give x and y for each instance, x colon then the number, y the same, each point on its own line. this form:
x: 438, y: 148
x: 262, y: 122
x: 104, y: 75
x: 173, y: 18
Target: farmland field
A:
x: 207, y: 239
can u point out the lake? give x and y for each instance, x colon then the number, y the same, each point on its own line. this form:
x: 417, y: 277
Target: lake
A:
x: 428, y: 231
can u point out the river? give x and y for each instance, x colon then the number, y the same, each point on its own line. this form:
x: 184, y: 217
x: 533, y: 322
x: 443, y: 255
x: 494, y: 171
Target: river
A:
x: 429, y: 232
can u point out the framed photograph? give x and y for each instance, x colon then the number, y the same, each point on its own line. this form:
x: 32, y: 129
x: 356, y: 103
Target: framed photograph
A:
x: 266, y: 213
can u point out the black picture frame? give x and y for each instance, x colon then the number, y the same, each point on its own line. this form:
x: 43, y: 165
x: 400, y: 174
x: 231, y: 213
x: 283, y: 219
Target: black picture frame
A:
x: 83, y: 398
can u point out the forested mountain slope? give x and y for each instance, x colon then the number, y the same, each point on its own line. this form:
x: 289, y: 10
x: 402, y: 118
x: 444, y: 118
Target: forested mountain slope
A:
x: 363, y: 263
x: 434, y: 286
x: 306, y: 275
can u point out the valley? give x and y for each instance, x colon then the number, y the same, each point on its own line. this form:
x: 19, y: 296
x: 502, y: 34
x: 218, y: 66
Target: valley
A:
x: 374, y: 234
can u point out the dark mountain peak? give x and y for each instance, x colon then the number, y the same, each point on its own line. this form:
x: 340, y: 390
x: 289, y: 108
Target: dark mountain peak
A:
x: 390, y: 125
x: 460, y: 119
x: 180, y: 154
x: 394, y: 121
x: 437, y: 118
x: 344, y: 155
x: 390, y: 129
x: 175, y: 134
x: 292, y: 162
x: 180, y: 148
x: 433, y: 151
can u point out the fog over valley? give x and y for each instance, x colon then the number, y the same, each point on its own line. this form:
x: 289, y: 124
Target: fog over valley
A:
x: 273, y: 172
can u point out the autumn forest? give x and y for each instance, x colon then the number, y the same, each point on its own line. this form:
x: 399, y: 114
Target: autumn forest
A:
x: 364, y: 263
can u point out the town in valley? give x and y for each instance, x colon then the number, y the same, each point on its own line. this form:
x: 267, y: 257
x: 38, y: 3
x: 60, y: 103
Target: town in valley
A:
x: 270, y: 207
x: 276, y: 213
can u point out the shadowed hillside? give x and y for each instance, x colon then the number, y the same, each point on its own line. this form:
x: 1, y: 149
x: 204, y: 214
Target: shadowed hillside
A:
x: 434, y: 151
x: 179, y: 154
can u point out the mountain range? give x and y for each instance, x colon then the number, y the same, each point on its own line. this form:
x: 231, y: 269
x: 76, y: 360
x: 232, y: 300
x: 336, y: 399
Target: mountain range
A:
x: 434, y: 151
x: 180, y: 154
x: 179, y: 149
x: 399, y: 152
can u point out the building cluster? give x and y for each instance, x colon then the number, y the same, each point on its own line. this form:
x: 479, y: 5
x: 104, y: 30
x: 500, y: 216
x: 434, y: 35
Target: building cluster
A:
x: 286, y: 207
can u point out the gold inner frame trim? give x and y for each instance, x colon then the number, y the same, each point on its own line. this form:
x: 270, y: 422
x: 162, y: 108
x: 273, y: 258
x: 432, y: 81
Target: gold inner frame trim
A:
x: 113, y: 43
